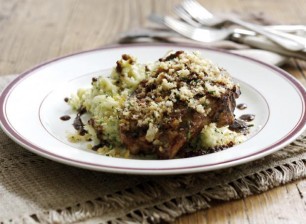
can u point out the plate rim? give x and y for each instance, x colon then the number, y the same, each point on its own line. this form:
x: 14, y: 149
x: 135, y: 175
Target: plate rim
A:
x: 286, y: 139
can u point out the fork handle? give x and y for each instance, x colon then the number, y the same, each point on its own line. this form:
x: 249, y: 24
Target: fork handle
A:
x: 262, y: 43
x: 283, y: 41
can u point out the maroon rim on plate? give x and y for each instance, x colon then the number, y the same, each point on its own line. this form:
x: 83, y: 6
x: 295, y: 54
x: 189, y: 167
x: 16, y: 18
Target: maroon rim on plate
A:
x: 13, y: 134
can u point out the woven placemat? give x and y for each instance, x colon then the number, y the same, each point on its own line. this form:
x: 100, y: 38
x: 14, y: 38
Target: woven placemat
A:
x: 37, y: 190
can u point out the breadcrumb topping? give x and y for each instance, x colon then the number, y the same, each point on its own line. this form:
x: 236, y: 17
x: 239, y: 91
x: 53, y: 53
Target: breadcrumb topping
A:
x: 179, y: 77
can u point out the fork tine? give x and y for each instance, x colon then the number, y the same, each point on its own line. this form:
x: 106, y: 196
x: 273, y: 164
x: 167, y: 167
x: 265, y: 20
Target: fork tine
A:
x: 189, y: 31
x: 193, y: 10
x: 194, y: 33
x: 198, y: 34
x: 196, y: 10
x: 181, y: 12
x: 199, y: 8
x: 171, y: 23
x: 178, y: 26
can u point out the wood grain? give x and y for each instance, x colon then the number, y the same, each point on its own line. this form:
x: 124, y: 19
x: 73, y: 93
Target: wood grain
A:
x: 33, y: 31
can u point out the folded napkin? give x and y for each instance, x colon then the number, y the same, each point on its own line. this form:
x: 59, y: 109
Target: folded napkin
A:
x: 36, y: 190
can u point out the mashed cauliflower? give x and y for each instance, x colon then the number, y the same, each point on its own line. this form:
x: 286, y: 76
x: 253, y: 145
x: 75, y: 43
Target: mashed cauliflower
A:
x: 106, y: 97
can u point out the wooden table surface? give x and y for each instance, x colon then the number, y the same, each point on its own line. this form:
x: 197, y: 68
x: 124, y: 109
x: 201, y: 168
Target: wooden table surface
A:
x: 33, y: 31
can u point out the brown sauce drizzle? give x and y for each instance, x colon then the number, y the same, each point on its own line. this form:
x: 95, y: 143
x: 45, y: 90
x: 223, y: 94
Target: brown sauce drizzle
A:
x: 187, y: 153
x: 66, y: 99
x: 100, y: 145
x: 147, y: 68
x: 78, y: 123
x: 247, y: 117
x: 126, y: 57
x: 118, y: 67
x: 242, y: 106
x: 239, y: 126
x: 94, y: 79
x: 65, y: 118
x: 96, y: 147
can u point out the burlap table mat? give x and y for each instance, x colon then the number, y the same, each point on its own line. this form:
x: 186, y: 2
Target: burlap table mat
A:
x: 37, y: 190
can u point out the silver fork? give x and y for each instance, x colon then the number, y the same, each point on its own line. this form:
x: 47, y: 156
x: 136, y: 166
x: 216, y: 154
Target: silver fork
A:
x: 292, y: 29
x: 194, y: 33
x: 203, y: 16
x: 210, y: 35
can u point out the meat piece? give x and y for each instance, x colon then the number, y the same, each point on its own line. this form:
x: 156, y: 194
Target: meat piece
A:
x: 182, y: 125
x: 172, y: 106
x: 222, y: 109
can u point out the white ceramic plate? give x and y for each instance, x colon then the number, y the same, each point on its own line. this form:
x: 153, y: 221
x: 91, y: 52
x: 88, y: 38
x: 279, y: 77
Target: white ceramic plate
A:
x: 32, y: 104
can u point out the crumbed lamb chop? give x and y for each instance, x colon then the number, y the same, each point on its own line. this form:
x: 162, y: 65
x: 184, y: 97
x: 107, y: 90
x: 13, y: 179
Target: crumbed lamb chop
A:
x: 183, y: 93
